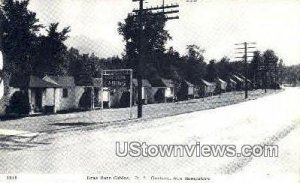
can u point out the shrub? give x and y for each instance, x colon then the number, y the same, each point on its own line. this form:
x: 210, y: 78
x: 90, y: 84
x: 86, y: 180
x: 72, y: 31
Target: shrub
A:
x: 85, y: 100
x: 19, y: 104
x: 159, y: 96
x: 125, y: 99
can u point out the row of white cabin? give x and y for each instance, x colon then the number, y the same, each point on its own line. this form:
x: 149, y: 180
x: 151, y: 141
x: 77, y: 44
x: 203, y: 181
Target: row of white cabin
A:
x: 63, y: 93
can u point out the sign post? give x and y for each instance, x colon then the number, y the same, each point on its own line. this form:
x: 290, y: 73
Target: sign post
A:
x: 116, y: 79
x: 1, y: 76
x: 102, y: 95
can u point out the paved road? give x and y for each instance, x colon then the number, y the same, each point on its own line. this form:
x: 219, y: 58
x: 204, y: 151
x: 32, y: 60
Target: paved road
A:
x: 273, y: 119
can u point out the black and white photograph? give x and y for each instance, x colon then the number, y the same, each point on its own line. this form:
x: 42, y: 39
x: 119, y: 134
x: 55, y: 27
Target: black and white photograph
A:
x: 149, y: 91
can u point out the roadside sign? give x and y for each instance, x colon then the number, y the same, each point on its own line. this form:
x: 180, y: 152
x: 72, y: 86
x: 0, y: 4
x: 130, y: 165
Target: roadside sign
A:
x: 1, y: 60
x: 116, y: 79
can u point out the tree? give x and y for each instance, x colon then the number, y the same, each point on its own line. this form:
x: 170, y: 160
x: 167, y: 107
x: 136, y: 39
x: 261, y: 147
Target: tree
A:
x: 211, y: 71
x: 280, y: 71
x: 169, y: 68
x: 19, y: 36
x: 192, y: 64
x: 224, y: 68
x: 256, y: 69
x: 19, y: 104
x: 270, y: 63
x: 74, y: 58
x: 195, y: 53
x: 291, y: 74
x: 154, y: 37
x: 51, y: 57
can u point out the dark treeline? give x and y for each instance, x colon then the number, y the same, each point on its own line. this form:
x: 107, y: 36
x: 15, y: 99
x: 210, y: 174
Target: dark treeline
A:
x: 291, y: 74
x: 158, y: 61
x: 29, y: 52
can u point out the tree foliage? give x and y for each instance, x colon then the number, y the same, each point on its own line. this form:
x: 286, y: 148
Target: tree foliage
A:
x: 19, y: 103
x: 290, y: 74
x: 154, y: 37
x: 19, y: 36
x: 224, y: 68
x: 51, y: 52
x: 211, y: 71
x: 30, y: 52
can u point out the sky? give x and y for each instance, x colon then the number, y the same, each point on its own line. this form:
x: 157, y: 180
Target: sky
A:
x: 214, y: 25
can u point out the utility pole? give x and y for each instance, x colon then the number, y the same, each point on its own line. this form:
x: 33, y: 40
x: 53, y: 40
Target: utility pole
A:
x: 1, y: 53
x: 159, y: 10
x: 140, y: 58
x: 245, y: 57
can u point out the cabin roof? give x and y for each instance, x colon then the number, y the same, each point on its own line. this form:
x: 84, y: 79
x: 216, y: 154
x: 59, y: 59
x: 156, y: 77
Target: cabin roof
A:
x: 63, y: 81
x: 207, y: 83
x: 32, y: 82
x: 162, y: 83
x: 145, y: 83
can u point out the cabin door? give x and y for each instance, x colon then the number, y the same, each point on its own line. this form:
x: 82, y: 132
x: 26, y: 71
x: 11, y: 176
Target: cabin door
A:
x: 38, y: 100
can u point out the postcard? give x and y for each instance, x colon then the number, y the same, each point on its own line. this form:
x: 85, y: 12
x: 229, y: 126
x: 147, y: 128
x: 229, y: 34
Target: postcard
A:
x: 147, y: 91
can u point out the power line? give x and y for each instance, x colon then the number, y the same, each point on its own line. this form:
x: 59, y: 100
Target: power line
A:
x: 158, y: 10
x: 246, y: 48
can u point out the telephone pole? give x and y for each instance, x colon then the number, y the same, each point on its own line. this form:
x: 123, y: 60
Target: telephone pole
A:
x: 158, y: 10
x: 246, y: 47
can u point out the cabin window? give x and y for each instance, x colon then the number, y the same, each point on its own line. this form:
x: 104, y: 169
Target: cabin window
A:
x: 65, y: 93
